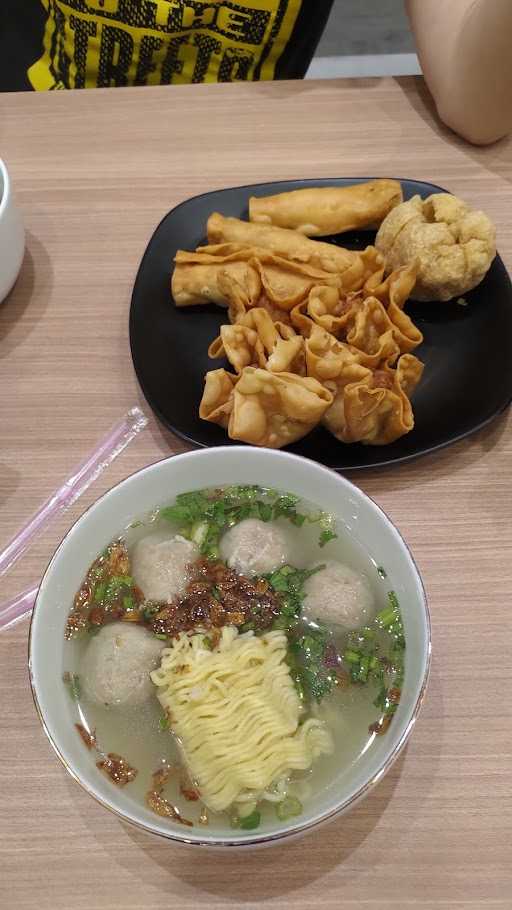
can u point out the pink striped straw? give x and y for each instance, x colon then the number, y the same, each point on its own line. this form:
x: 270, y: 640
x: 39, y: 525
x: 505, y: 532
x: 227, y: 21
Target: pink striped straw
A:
x: 107, y: 450
x: 14, y: 610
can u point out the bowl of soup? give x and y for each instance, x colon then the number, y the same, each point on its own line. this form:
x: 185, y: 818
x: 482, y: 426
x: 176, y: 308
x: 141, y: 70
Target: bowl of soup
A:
x: 230, y: 647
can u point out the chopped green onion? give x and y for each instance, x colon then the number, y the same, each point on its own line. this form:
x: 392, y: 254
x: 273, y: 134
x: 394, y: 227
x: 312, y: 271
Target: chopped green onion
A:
x: 299, y: 686
x: 297, y: 519
x: 75, y: 687
x: 265, y: 511
x: 115, y: 586
x: 163, y: 723
x: 205, y: 514
x: 282, y: 623
x: 374, y: 654
x: 288, y: 808
x: 199, y: 532
x: 289, y: 607
x: 364, y: 666
x: 250, y: 822
x: 246, y: 627
x: 73, y: 683
x: 352, y: 657
x: 128, y: 603
x: 120, y: 580
x: 99, y: 592
x: 285, y: 505
x: 161, y: 635
x: 382, y: 572
x: 307, y: 658
x: 366, y: 634
x: 207, y: 642
x: 387, y: 617
x: 325, y: 537
x: 393, y: 600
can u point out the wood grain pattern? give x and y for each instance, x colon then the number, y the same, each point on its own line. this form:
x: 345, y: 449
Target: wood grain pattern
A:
x: 94, y: 173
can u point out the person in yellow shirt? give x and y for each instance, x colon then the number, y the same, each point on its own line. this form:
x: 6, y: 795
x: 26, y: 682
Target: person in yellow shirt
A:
x: 463, y: 46
x: 107, y: 43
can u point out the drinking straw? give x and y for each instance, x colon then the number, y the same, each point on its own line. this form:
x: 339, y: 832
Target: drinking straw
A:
x: 104, y: 453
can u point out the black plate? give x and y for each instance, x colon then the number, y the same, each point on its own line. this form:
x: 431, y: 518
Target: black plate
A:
x: 467, y: 350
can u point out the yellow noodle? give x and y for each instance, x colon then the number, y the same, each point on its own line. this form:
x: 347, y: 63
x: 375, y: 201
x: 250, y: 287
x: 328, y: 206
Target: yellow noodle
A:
x: 236, y: 713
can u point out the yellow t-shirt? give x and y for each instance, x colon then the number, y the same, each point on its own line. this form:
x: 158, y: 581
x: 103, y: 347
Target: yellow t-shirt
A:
x: 95, y: 43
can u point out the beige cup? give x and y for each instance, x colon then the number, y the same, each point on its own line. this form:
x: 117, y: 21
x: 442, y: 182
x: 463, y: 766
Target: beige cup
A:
x: 12, y: 235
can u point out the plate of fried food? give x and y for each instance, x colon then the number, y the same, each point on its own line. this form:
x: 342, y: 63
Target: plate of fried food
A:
x: 356, y: 322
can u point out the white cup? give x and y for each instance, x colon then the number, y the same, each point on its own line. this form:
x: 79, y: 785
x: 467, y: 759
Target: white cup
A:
x: 12, y: 235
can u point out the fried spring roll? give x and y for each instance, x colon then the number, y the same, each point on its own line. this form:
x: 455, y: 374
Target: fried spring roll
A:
x: 282, y: 242
x: 319, y: 211
x: 195, y: 283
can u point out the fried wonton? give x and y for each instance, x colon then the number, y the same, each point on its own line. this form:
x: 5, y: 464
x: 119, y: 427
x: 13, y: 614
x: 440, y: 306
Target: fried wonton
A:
x: 370, y: 405
x: 282, y: 242
x: 256, y: 340
x: 393, y: 293
x: 319, y: 211
x: 327, y: 308
x: 372, y: 333
x: 333, y: 362
x: 241, y: 345
x: 217, y: 401
x: 239, y: 302
x: 371, y: 319
x: 369, y: 264
x: 286, y: 283
x: 375, y: 409
x: 265, y: 409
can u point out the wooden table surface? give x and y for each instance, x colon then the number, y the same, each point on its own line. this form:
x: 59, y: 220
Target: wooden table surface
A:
x: 94, y: 172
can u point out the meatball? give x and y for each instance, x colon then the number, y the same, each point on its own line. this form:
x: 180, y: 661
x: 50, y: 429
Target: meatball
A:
x: 160, y: 565
x: 116, y: 665
x: 338, y: 595
x: 254, y: 547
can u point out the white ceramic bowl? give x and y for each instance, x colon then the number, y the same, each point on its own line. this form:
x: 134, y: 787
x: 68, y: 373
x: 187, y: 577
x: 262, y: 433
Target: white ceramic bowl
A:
x: 12, y: 235
x: 158, y: 484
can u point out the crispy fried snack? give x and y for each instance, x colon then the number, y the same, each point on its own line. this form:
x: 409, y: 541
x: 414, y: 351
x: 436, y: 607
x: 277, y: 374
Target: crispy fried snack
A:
x: 319, y: 211
x: 371, y: 319
x: 280, y: 241
x: 316, y: 333
x: 393, y: 293
x: 198, y: 281
x: 256, y: 340
x: 217, y: 401
x: 206, y: 276
x: 453, y: 246
x: 377, y: 410
x: 264, y: 408
x: 374, y: 335
x: 370, y: 405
